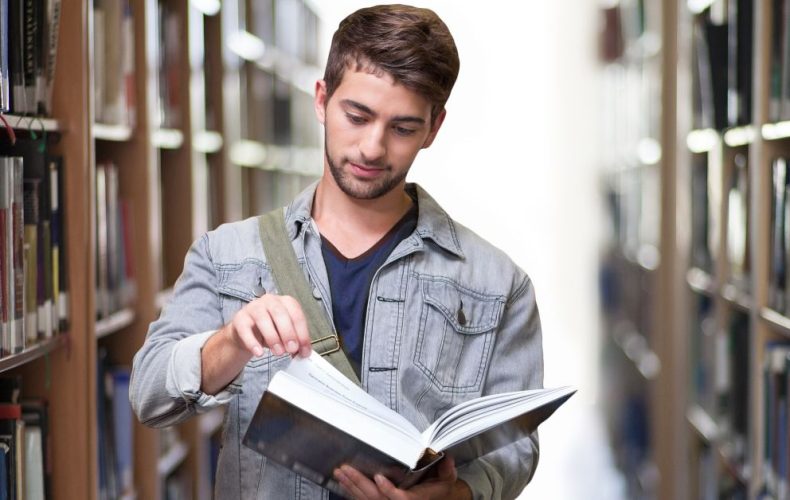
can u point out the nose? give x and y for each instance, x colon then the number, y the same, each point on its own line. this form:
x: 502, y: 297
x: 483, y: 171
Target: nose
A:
x: 373, y: 146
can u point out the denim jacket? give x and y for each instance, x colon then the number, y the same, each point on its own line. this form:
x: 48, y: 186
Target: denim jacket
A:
x: 450, y: 318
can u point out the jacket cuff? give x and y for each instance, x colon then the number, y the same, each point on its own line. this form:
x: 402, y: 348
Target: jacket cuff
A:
x: 482, y: 484
x: 184, y: 375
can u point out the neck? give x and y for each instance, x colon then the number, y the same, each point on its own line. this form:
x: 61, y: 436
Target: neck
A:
x: 352, y: 225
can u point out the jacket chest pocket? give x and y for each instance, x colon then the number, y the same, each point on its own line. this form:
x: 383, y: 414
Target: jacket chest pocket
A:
x: 456, y: 331
x: 240, y: 284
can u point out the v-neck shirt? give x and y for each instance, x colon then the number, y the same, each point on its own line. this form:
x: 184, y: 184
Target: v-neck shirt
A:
x: 350, y: 279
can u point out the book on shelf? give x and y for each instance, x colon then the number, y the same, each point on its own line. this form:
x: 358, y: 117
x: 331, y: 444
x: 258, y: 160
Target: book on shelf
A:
x: 113, y: 53
x: 710, y: 71
x: 5, y: 83
x: 115, y: 287
x: 169, y: 43
x: 777, y: 291
x: 740, y: 41
x: 700, y: 215
x: 776, y: 370
x: 312, y: 419
x: 28, y: 51
x: 733, y: 391
x: 738, y: 223
x: 703, y: 338
x: 114, y: 426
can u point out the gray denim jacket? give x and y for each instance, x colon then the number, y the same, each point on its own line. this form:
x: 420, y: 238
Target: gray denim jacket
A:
x: 421, y: 355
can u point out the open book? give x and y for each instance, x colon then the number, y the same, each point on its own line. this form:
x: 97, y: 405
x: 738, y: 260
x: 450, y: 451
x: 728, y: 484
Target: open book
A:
x: 312, y: 419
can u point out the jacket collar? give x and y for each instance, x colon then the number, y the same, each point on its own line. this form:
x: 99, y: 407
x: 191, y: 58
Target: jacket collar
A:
x: 432, y: 221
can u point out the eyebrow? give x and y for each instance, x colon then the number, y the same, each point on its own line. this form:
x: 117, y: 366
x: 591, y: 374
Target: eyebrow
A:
x: 364, y: 109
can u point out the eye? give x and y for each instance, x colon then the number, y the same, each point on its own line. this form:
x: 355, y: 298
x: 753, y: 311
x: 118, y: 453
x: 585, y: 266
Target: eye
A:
x: 404, y: 131
x: 355, y: 119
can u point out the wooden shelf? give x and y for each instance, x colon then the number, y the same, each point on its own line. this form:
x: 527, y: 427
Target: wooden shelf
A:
x: 207, y: 142
x: 777, y: 321
x: 115, y: 322
x: 737, y: 298
x: 740, y: 136
x: 702, y: 141
x: 167, y: 138
x: 31, y: 353
x: 34, y: 123
x: 776, y: 131
x: 634, y: 346
x: 701, y: 282
x: 114, y: 133
x: 172, y: 460
x: 703, y: 424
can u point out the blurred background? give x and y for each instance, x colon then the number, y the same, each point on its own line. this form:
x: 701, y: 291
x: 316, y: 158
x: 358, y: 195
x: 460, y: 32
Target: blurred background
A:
x: 630, y: 155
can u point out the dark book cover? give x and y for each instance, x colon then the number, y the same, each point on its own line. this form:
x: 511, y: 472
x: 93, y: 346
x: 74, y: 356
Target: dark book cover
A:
x: 317, y: 448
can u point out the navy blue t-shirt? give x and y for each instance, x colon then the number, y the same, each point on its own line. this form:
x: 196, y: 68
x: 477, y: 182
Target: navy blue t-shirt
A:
x: 349, y: 283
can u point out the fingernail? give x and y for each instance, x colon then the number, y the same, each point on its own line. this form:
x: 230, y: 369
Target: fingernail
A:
x: 258, y: 351
x: 293, y: 346
x: 379, y: 479
x: 278, y: 349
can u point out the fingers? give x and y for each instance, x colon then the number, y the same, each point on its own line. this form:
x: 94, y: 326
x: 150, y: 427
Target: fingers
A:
x: 299, y: 325
x: 273, y: 321
x: 446, y: 469
x: 361, y: 487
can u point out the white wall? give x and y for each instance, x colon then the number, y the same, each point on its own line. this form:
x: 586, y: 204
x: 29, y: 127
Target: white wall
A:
x: 516, y: 162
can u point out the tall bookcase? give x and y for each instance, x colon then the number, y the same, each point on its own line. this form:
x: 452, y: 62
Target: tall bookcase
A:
x: 715, y: 423
x: 216, y: 125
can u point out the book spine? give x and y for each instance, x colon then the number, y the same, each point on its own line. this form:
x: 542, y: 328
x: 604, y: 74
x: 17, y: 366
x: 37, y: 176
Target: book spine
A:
x: 30, y: 60
x: 102, y: 300
x: 5, y: 82
x: 18, y: 244
x: 52, y: 50
x: 31, y: 222
x: 5, y: 289
x: 16, y: 44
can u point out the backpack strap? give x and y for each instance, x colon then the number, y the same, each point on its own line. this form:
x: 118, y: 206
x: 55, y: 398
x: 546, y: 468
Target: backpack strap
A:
x: 290, y: 280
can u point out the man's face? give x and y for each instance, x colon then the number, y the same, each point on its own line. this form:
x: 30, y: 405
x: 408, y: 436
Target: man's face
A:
x: 373, y: 130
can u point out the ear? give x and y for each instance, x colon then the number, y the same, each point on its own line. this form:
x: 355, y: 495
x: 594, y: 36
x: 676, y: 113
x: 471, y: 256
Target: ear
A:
x: 320, y: 101
x: 437, y: 124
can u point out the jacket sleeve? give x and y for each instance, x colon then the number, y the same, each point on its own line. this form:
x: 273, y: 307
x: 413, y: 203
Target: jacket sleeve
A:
x: 166, y: 371
x: 516, y: 364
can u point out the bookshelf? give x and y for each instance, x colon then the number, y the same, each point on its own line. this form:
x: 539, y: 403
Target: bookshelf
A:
x: 149, y: 168
x: 720, y: 286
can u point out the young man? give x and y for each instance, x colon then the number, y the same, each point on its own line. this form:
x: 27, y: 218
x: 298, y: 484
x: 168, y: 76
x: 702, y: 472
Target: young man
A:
x: 429, y: 314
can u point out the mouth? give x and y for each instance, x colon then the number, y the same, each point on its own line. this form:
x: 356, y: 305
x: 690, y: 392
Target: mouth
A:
x: 365, y: 171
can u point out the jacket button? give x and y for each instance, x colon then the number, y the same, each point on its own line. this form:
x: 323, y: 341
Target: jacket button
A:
x: 316, y: 293
x: 258, y: 289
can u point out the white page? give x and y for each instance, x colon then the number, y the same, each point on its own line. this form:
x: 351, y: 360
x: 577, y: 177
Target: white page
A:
x: 480, y: 419
x: 315, y: 386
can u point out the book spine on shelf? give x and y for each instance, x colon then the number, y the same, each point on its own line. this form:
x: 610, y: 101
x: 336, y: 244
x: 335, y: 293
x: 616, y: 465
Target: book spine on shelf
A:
x: 5, y: 83
x: 31, y: 223
x: 17, y: 246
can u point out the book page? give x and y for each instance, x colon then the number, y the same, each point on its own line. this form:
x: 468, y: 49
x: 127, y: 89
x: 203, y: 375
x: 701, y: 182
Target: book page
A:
x: 474, y: 417
x: 316, y: 387
x: 319, y: 374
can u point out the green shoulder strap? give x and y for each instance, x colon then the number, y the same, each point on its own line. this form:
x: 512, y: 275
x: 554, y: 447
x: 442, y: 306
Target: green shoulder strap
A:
x: 291, y: 281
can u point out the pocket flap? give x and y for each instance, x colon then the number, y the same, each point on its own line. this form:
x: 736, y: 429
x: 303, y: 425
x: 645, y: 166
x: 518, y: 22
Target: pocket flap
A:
x: 468, y: 311
x: 242, y: 281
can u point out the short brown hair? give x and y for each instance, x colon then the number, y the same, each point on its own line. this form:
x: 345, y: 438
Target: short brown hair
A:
x: 411, y: 44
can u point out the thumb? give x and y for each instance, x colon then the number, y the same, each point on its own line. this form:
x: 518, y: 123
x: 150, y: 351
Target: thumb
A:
x: 446, y: 470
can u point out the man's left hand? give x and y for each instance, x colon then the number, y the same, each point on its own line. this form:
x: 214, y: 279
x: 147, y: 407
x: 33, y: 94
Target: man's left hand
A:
x: 444, y: 485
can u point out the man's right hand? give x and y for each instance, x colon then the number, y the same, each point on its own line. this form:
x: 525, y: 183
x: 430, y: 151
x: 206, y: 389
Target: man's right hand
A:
x: 272, y: 321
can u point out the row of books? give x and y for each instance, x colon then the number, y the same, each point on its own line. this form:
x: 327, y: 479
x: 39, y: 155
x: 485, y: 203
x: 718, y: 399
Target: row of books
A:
x: 115, y: 283
x: 169, y: 100
x: 34, y: 301
x: 776, y: 374
x: 28, y: 45
x: 25, y: 467
x: 779, y: 100
x: 780, y: 235
x: 706, y: 207
x: 114, y: 425
x: 113, y: 57
x: 720, y: 375
x: 723, y: 62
